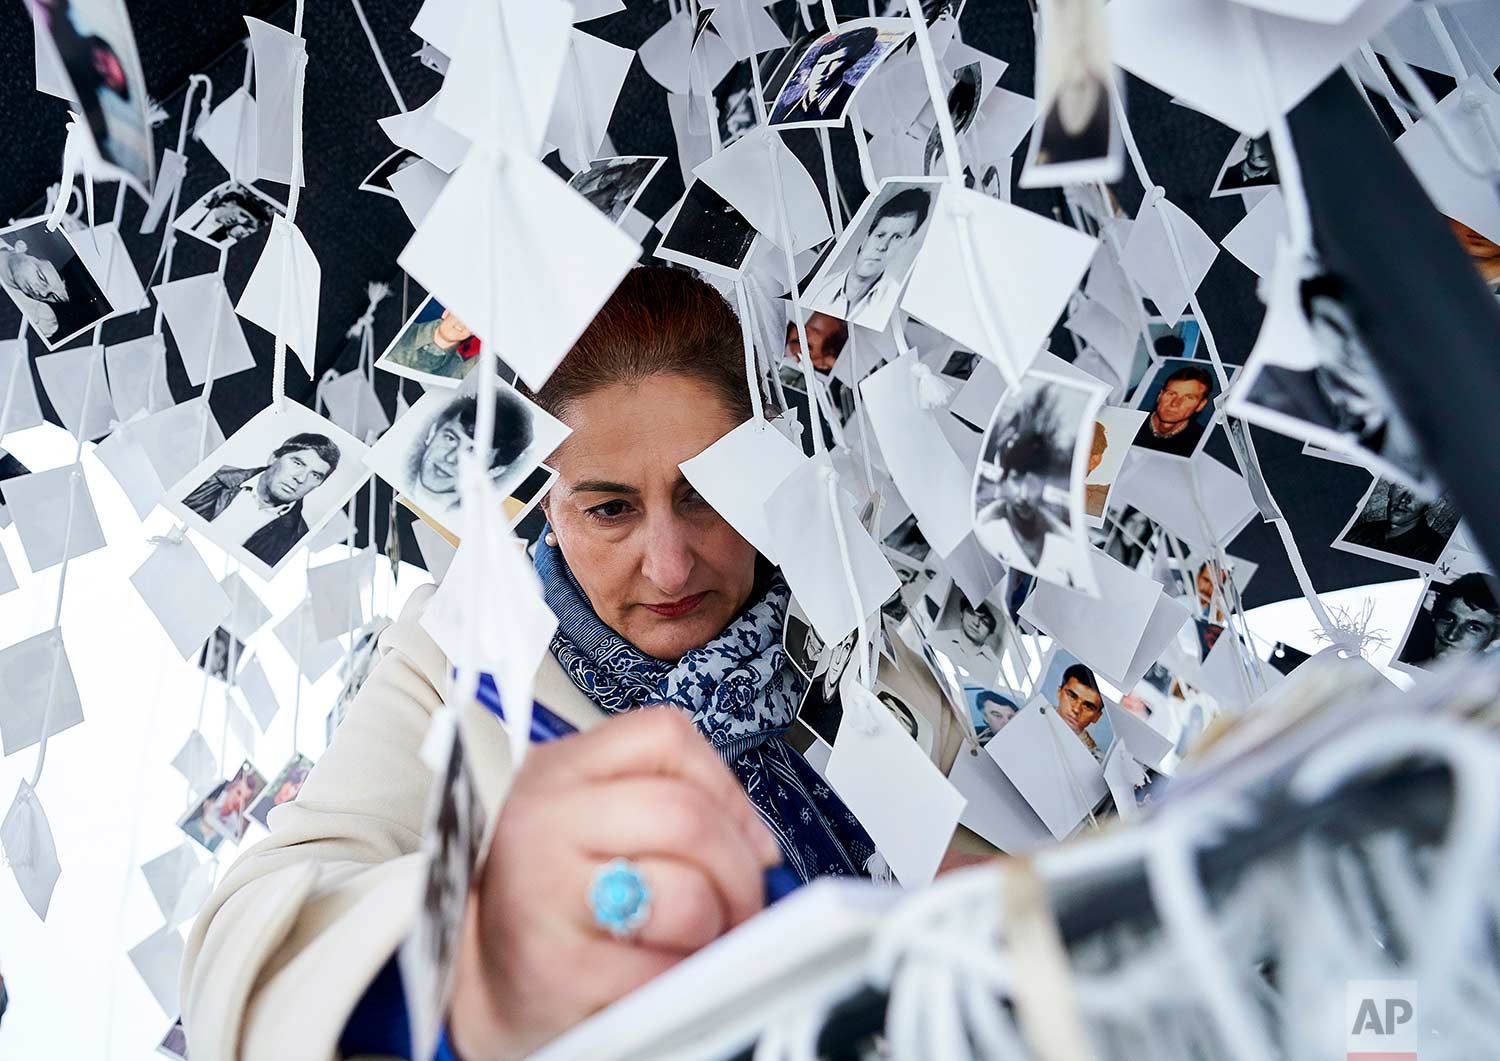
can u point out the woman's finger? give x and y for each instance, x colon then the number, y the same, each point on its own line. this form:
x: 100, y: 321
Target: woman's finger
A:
x: 665, y: 817
x: 656, y: 740
x: 685, y: 911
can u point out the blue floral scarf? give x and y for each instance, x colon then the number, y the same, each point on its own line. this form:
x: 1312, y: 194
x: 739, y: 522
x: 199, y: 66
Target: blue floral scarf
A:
x: 742, y: 696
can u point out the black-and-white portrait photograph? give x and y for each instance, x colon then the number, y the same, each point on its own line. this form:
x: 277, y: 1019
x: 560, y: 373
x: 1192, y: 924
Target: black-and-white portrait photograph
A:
x: 1179, y: 402
x: 970, y: 635
x: 420, y: 454
x: 963, y: 106
x: 1076, y: 137
x: 221, y: 654
x: 455, y: 825
x: 708, y: 234
x: 1250, y: 165
x: 434, y: 347
x: 1028, y: 486
x: 274, y: 483
x: 803, y: 646
x: 961, y: 364
x: 907, y: 540
x: 1456, y: 617
x: 819, y: 89
x: 734, y: 103
x: 229, y: 213
x: 49, y: 283
x: 1127, y: 537
x: 1339, y: 401
x: 911, y: 720
x: 379, y: 180
x: 613, y: 185
x: 862, y: 278
x: 95, y: 49
x: 1396, y: 524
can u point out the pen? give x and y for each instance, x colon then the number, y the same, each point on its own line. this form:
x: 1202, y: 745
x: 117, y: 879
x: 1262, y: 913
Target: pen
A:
x: 547, y: 725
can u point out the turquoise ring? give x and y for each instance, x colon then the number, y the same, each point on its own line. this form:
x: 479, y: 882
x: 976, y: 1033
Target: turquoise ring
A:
x: 619, y: 898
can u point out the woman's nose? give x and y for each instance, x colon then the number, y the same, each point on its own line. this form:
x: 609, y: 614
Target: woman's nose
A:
x: 668, y: 559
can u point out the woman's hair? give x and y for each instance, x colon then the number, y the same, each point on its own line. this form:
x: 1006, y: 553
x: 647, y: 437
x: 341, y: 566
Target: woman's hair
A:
x: 659, y: 322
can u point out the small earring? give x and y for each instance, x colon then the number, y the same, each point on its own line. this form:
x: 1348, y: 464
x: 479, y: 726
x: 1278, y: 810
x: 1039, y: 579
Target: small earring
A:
x: 550, y: 539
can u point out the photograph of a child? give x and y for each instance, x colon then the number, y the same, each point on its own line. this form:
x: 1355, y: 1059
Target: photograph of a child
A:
x: 434, y: 347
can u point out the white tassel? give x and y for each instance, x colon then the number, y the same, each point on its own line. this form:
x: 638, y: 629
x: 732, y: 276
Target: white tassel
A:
x: 932, y: 392
x: 879, y: 870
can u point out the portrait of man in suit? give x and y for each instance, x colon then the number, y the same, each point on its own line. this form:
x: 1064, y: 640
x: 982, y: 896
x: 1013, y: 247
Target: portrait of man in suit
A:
x: 261, y: 508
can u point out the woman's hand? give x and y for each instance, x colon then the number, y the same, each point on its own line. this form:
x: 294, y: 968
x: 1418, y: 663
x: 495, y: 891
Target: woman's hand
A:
x: 644, y: 786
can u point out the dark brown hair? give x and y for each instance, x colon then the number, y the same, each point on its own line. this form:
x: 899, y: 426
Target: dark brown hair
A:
x: 659, y: 322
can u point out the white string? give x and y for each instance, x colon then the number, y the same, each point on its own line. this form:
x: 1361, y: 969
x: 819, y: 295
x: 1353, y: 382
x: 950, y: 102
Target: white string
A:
x: 995, y: 335
x: 278, y: 363
x: 830, y: 178
x: 1288, y: 167
x: 949, y: 136
x: 385, y: 71
x: 783, y: 229
x: 1444, y: 42
x: 1289, y: 544
x: 1420, y: 94
x: 862, y: 655
x: 752, y: 377
x: 11, y: 384
x: 1388, y: 90
x: 213, y: 351
x: 867, y: 172
x: 75, y: 483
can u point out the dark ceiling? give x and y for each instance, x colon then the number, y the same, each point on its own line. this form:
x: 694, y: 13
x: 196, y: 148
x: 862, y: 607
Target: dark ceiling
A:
x: 357, y: 236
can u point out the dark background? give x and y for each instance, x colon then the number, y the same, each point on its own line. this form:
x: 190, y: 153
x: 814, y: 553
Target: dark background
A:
x: 357, y: 235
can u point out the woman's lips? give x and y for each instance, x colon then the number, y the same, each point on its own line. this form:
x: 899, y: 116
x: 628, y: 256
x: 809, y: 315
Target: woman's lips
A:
x: 678, y: 608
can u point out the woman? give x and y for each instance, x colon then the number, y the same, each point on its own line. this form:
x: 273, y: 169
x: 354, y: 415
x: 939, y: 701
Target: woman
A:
x: 658, y: 599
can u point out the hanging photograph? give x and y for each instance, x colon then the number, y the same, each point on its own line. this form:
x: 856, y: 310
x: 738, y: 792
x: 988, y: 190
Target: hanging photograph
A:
x: 1178, y: 399
x: 989, y: 711
x: 1028, y: 485
x: 614, y: 184
x: 221, y: 655
x: 434, y: 347
x: 1113, y: 434
x: 708, y: 234
x: 1072, y: 690
x: 862, y: 278
x: 271, y: 486
x: 1317, y: 382
x: 92, y: 46
x: 420, y: 455
x: 826, y: 336
x: 379, y: 180
x: 1249, y: 167
x: 821, y: 87
x: 50, y: 283
x: 1458, y: 615
x: 1076, y: 137
x: 282, y: 789
x: 229, y: 213
x: 1395, y: 524
x: 221, y: 813
x: 970, y: 636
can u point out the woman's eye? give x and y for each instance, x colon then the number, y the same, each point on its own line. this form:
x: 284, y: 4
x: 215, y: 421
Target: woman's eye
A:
x: 609, y: 510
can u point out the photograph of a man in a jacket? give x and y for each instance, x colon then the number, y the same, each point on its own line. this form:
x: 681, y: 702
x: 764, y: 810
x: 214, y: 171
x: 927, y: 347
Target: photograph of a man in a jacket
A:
x: 260, y: 509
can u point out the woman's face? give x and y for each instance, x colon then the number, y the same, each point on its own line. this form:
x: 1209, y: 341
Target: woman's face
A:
x: 659, y: 565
